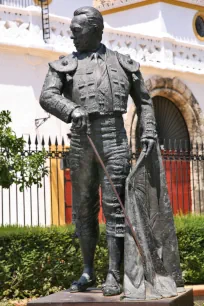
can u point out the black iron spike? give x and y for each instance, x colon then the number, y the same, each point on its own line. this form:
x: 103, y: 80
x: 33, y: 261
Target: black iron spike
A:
x: 36, y: 140
x: 49, y: 142
x: 63, y: 141
x: 43, y: 141
x: 56, y: 142
x: 29, y: 141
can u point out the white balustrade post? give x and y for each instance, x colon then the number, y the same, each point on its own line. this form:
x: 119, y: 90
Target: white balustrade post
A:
x: 167, y: 53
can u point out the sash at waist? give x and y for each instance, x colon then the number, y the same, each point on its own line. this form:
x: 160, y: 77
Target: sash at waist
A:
x: 96, y: 116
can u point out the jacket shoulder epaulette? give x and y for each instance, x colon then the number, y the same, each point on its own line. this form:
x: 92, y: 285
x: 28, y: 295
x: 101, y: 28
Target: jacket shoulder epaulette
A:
x: 127, y: 63
x: 65, y: 64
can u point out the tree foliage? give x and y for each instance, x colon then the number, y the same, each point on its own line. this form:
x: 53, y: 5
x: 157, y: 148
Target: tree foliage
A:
x: 16, y: 165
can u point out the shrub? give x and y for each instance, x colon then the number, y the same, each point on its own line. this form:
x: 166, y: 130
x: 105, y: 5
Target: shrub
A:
x: 190, y: 233
x: 39, y: 261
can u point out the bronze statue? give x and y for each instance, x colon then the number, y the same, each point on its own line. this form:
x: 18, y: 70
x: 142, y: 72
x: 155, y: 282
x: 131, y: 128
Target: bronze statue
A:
x: 90, y: 88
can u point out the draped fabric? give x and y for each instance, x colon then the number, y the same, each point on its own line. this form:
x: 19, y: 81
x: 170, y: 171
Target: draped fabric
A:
x: 155, y: 273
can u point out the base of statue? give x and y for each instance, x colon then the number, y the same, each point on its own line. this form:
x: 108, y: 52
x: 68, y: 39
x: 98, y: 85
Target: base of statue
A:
x: 94, y: 297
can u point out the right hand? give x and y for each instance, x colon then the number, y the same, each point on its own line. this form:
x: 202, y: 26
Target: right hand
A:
x: 79, y: 117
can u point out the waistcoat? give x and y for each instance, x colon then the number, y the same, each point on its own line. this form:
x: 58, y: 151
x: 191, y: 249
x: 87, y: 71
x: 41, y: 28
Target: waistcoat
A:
x: 110, y: 95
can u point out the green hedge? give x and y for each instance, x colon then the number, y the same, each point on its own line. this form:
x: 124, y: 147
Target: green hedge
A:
x: 190, y: 233
x: 39, y: 261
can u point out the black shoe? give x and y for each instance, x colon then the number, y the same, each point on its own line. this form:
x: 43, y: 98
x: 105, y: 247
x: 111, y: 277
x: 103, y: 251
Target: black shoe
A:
x: 112, y: 285
x: 110, y: 290
x: 82, y: 284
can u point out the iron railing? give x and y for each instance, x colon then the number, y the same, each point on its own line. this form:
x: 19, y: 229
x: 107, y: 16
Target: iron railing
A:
x: 19, y: 3
x: 35, y: 205
x: 52, y: 203
x: 44, y: 4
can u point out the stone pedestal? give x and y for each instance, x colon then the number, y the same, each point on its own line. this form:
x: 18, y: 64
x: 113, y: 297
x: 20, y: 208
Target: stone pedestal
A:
x: 94, y: 297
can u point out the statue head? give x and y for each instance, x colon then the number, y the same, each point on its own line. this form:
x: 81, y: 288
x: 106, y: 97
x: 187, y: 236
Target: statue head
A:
x: 87, y: 29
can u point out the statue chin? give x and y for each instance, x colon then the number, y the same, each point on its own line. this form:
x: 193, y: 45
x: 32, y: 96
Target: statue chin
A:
x: 87, y: 47
x: 82, y: 49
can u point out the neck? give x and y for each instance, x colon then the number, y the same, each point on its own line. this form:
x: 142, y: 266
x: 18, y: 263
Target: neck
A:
x: 92, y: 48
x: 96, y: 48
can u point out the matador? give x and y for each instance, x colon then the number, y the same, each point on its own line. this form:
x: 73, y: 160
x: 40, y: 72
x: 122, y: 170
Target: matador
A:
x: 90, y: 88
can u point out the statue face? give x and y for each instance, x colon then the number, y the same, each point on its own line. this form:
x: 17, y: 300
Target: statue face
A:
x: 83, y: 35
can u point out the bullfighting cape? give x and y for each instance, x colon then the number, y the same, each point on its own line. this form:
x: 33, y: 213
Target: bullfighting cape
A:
x: 155, y: 273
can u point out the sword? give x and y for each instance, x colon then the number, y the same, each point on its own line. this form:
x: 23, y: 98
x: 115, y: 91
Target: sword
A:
x: 118, y: 197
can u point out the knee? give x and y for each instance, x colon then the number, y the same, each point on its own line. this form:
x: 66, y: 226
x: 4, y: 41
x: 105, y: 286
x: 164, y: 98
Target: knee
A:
x: 88, y: 227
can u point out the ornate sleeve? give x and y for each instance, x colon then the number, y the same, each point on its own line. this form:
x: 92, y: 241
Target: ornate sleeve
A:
x: 144, y: 105
x: 51, y: 98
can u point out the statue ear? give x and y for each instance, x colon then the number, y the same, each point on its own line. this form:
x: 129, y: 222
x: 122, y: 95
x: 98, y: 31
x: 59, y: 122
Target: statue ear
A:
x: 95, y: 29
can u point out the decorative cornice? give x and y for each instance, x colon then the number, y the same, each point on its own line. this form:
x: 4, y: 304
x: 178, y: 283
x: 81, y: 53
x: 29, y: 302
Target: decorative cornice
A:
x: 110, y: 4
x: 114, y: 6
x: 21, y: 33
x: 157, y: 52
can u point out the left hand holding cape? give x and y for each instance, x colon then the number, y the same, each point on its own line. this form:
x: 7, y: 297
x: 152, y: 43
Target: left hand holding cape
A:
x: 155, y: 273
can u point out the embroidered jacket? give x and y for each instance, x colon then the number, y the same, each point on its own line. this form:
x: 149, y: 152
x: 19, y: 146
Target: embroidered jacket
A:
x: 73, y: 81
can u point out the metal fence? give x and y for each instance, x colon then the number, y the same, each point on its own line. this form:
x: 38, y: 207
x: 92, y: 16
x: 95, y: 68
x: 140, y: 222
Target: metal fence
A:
x: 52, y: 203
x: 20, y: 3
x: 35, y: 205
x: 184, y: 167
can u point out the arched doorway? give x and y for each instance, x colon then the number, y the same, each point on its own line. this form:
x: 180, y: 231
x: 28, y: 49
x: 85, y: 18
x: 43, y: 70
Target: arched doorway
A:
x: 182, y: 97
x: 175, y: 144
x: 171, y: 126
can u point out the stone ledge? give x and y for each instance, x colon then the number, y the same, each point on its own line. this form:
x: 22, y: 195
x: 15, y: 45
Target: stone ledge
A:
x: 94, y: 297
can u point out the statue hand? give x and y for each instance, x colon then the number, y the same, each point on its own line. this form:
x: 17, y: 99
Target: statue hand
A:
x: 79, y: 117
x: 147, y: 145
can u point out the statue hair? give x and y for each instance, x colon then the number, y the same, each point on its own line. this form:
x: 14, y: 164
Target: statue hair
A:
x: 95, y: 19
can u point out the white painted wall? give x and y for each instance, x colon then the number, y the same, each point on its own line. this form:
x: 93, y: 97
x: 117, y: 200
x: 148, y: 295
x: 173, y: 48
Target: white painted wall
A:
x: 145, y: 20
x: 66, y: 8
x: 197, y: 90
x: 179, y: 22
x: 159, y: 19
x: 21, y: 81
